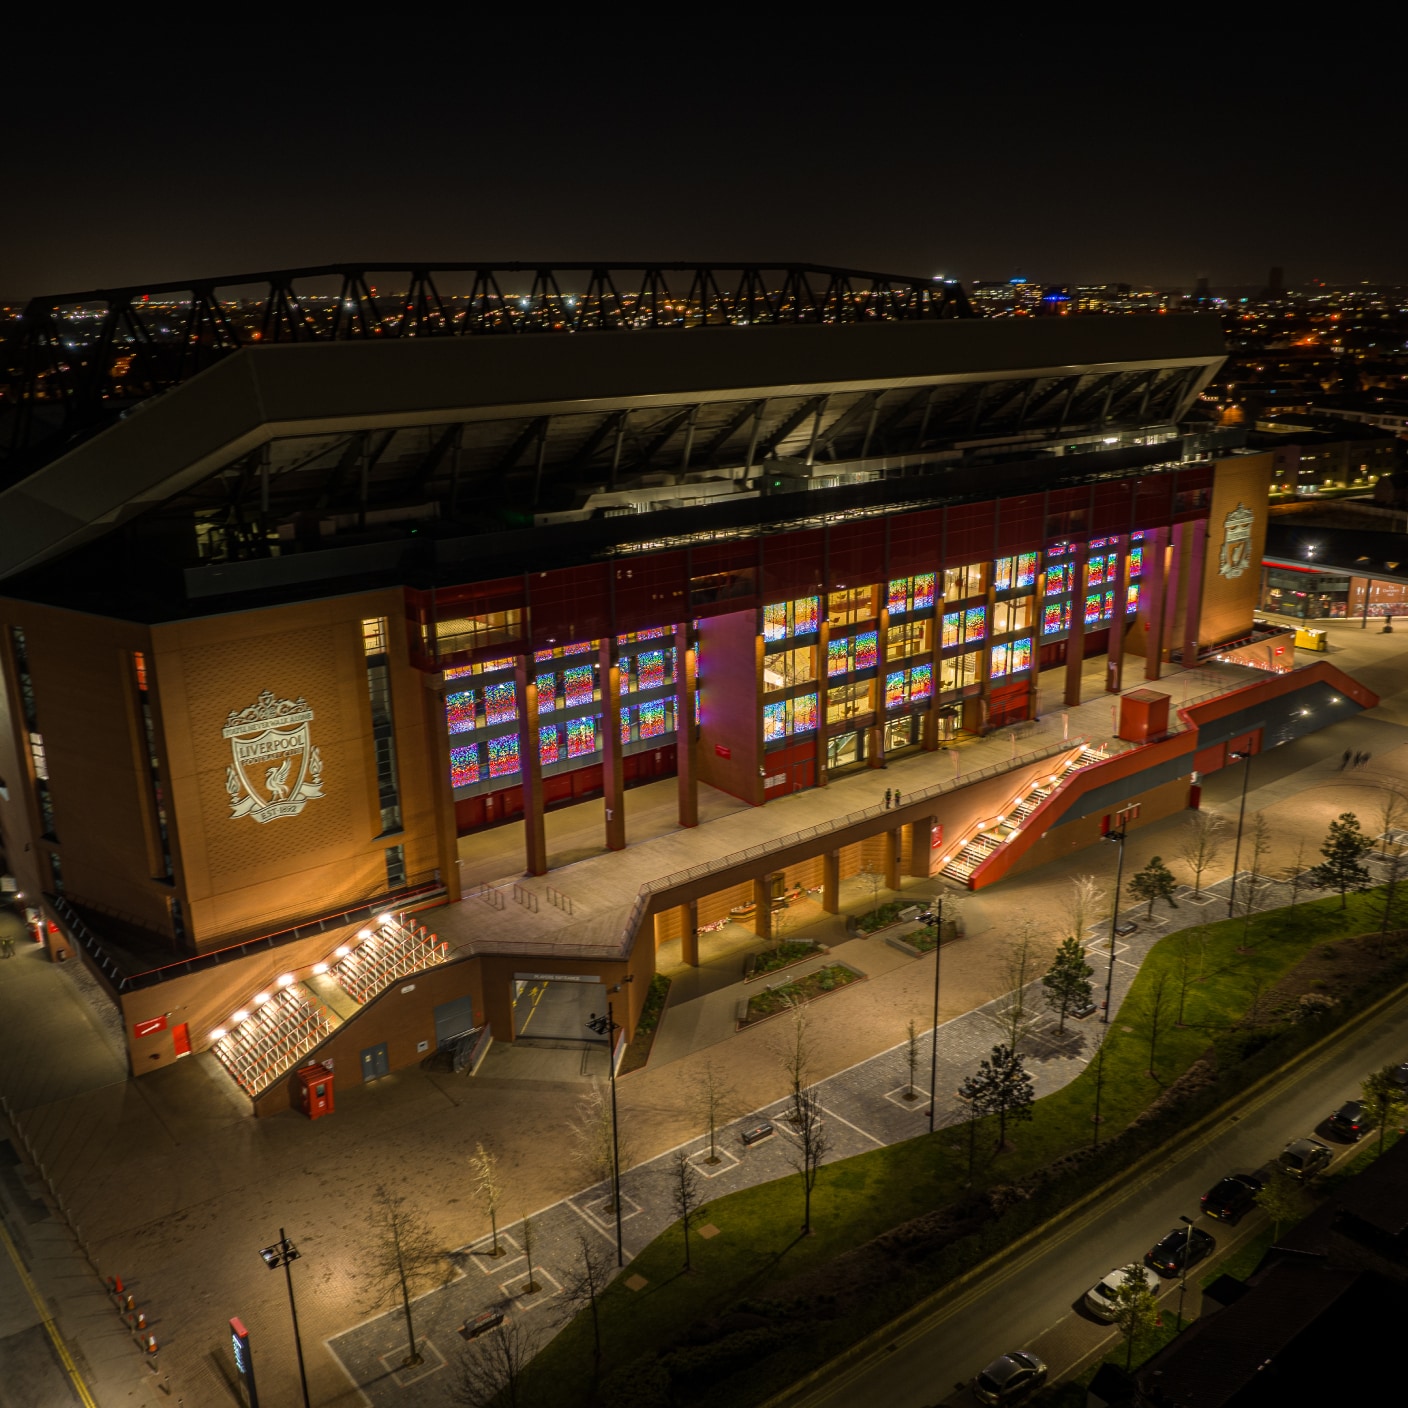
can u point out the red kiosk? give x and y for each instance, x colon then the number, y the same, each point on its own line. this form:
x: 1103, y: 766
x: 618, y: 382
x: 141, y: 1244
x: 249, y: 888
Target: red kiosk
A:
x: 314, y: 1089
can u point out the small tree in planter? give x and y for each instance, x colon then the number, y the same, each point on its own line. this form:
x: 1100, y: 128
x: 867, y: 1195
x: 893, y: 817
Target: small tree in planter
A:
x: 1204, y: 836
x: 1084, y: 905
x: 911, y: 1058
x: 1385, y: 1101
x: 714, y: 1101
x: 1154, y: 882
x: 1067, y: 982
x: 684, y: 1194
x: 1135, y: 1309
x: 1344, y: 850
x: 810, y: 1149
x: 484, y: 1170
x: 1282, y: 1199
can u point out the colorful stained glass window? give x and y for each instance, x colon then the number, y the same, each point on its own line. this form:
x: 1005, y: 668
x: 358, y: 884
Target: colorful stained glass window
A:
x: 578, y: 647
x: 652, y: 719
x: 805, y: 615
x: 997, y: 667
x: 1053, y: 617
x: 867, y: 650
x: 975, y: 623
x: 924, y: 585
x: 838, y: 658
x: 774, y: 721
x: 1136, y: 562
x: 650, y: 669
x: 540, y: 656
x: 804, y: 713
x: 1137, y: 537
x: 1026, y: 569
x: 1131, y: 598
x: 547, y: 693
x: 1058, y: 578
x: 626, y: 712
x: 1058, y: 549
x: 549, y: 744
x: 921, y: 683
x: 894, y: 690
x: 464, y: 765
x: 581, y: 736
x: 1096, y: 544
x: 458, y: 672
x: 775, y: 621
x: 459, y: 711
x: 1002, y: 571
x: 503, y: 755
x: 500, y: 707
x: 653, y: 633
x: 897, y: 599
x: 1108, y: 609
x: 950, y: 632
x: 1092, y: 608
x: 578, y: 684
x: 1020, y: 654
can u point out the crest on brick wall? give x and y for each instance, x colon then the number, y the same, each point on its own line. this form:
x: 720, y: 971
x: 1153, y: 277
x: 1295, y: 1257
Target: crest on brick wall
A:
x: 1236, y: 552
x: 274, y: 769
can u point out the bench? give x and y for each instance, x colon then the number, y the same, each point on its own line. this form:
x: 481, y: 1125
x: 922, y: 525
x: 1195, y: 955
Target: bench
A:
x: 757, y: 1133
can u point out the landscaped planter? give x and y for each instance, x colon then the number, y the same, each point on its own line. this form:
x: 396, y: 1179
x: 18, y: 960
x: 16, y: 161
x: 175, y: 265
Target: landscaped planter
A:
x: 637, y: 1053
x: 918, y: 950
x: 774, y: 1001
x: 785, y: 956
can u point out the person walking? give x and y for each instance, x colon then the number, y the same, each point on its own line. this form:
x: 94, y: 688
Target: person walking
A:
x: 897, y: 796
x: 887, y: 799
x: 7, y: 947
x: 1365, y: 763
x: 1344, y: 762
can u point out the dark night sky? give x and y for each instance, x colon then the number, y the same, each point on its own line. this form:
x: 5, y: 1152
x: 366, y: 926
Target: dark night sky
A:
x: 1063, y: 160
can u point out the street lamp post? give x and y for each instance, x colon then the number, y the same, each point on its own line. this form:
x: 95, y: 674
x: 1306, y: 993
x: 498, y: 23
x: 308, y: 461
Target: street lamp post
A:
x: 606, y: 1026
x: 284, y: 1253
x: 1114, y: 834
x: 934, y: 1037
x: 1183, y: 1279
x: 1241, y: 815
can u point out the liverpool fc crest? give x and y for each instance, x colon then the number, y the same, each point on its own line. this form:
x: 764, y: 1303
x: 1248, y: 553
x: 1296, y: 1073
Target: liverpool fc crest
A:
x: 275, y: 769
x: 1236, y: 554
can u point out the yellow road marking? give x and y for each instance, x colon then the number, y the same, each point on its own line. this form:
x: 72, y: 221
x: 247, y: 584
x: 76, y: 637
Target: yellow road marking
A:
x: 537, y: 998
x: 47, y: 1321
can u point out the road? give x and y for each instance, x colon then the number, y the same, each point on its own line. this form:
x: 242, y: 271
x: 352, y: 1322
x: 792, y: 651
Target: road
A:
x: 1032, y: 1301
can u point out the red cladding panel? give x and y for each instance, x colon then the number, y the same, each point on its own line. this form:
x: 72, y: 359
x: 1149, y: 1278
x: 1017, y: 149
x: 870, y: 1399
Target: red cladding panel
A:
x: 651, y: 591
x: 792, y: 564
x: 970, y: 533
x: 477, y: 598
x: 1020, y: 523
x: 571, y: 604
x: 1112, y: 510
x: 1154, y: 501
x: 856, y: 550
x: 916, y: 545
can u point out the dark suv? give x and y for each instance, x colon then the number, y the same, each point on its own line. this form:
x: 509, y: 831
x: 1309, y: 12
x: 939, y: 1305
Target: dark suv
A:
x: 1168, y: 1253
x: 1347, y: 1122
x: 1230, y: 1198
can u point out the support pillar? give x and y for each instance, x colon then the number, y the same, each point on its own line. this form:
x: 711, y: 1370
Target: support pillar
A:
x: 1119, y: 622
x: 1155, y: 542
x: 1193, y: 605
x: 762, y: 907
x: 686, y: 726
x: 831, y: 881
x: 892, y: 860
x: 612, y: 777
x: 689, y: 932
x: 875, y: 744
x: 530, y: 771
x: 823, y: 639
x: 1075, y: 636
x: 1171, y: 583
x: 921, y: 833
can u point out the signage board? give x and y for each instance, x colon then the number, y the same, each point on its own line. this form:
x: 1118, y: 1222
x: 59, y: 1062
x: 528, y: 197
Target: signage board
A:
x: 149, y: 1027
x: 244, y: 1364
x: 556, y: 978
x: 722, y: 751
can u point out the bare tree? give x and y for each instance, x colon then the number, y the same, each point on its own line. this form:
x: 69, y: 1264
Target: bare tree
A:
x: 795, y: 1055
x: 715, y: 1102
x: 1256, y: 843
x: 1298, y: 869
x: 1154, y: 1012
x: 911, y: 1058
x: 1393, y: 812
x: 1084, y: 905
x: 1184, y: 943
x: 875, y: 882
x: 589, y: 1279
x: 685, y: 1195
x: 493, y: 1371
x: 1016, y: 1014
x: 402, y: 1258
x: 529, y: 1239
x: 1203, y: 838
x: 591, y: 1128
x: 485, y: 1173
x: 810, y: 1149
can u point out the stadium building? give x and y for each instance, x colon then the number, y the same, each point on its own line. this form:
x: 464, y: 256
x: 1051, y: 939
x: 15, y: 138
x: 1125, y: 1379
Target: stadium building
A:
x: 315, y: 600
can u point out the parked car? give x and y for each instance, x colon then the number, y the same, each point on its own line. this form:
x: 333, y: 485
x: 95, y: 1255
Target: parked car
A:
x: 1400, y: 1075
x: 1100, y: 1298
x: 1011, y: 1379
x: 1347, y: 1122
x: 1167, y: 1255
x: 1304, y: 1158
x: 1230, y: 1198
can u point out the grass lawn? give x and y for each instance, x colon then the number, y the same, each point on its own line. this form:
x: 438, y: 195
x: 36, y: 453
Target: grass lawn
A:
x: 1214, y: 973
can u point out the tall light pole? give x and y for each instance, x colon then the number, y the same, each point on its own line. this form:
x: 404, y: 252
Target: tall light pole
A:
x: 1183, y: 1280
x: 284, y: 1253
x: 1241, y: 815
x: 934, y: 1038
x: 606, y: 1026
x: 1115, y: 833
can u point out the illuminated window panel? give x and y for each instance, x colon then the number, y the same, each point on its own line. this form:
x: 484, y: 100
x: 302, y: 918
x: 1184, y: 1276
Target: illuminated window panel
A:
x: 951, y: 629
x: 998, y: 666
x: 578, y: 648
x: 500, y: 707
x: 464, y: 765
x: 1058, y: 550
x: 867, y: 650
x: 1136, y: 562
x: 650, y: 669
x: 1002, y: 573
x: 626, y: 711
x: 805, y: 615
x: 459, y: 711
x: 975, y: 623
x: 775, y: 621
x: 1131, y: 599
x: 921, y: 683
x: 1020, y: 654
x: 540, y: 656
x: 1137, y: 537
x: 897, y: 599
x: 923, y: 593
x: 1026, y: 569
x: 1096, y: 544
x: 804, y: 714
x: 549, y: 744
x: 774, y: 721
x: 581, y: 737
x: 458, y: 672
x: 1092, y: 607
x: 1054, y: 618
x: 837, y: 657
x: 578, y: 684
x: 1108, y: 610
x: 652, y: 719
x: 547, y: 693
x: 894, y: 690
x: 503, y: 755
x: 653, y: 633
x: 1058, y: 579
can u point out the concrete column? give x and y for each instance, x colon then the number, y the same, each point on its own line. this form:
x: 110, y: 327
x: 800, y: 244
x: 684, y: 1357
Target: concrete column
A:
x: 498, y: 1000
x: 921, y: 834
x: 1193, y: 592
x: 612, y: 778
x: 875, y: 745
x: 1075, y: 638
x: 1171, y: 584
x: 823, y: 639
x: 446, y: 831
x: 892, y: 859
x: 530, y: 771
x: 689, y: 932
x: 831, y: 881
x: 1155, y: 541
x: 762, y: 907
x: 1114, y: 664
x: 686, y: 670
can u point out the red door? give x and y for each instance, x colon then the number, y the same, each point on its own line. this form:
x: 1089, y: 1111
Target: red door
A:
x: 181, y: 1040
